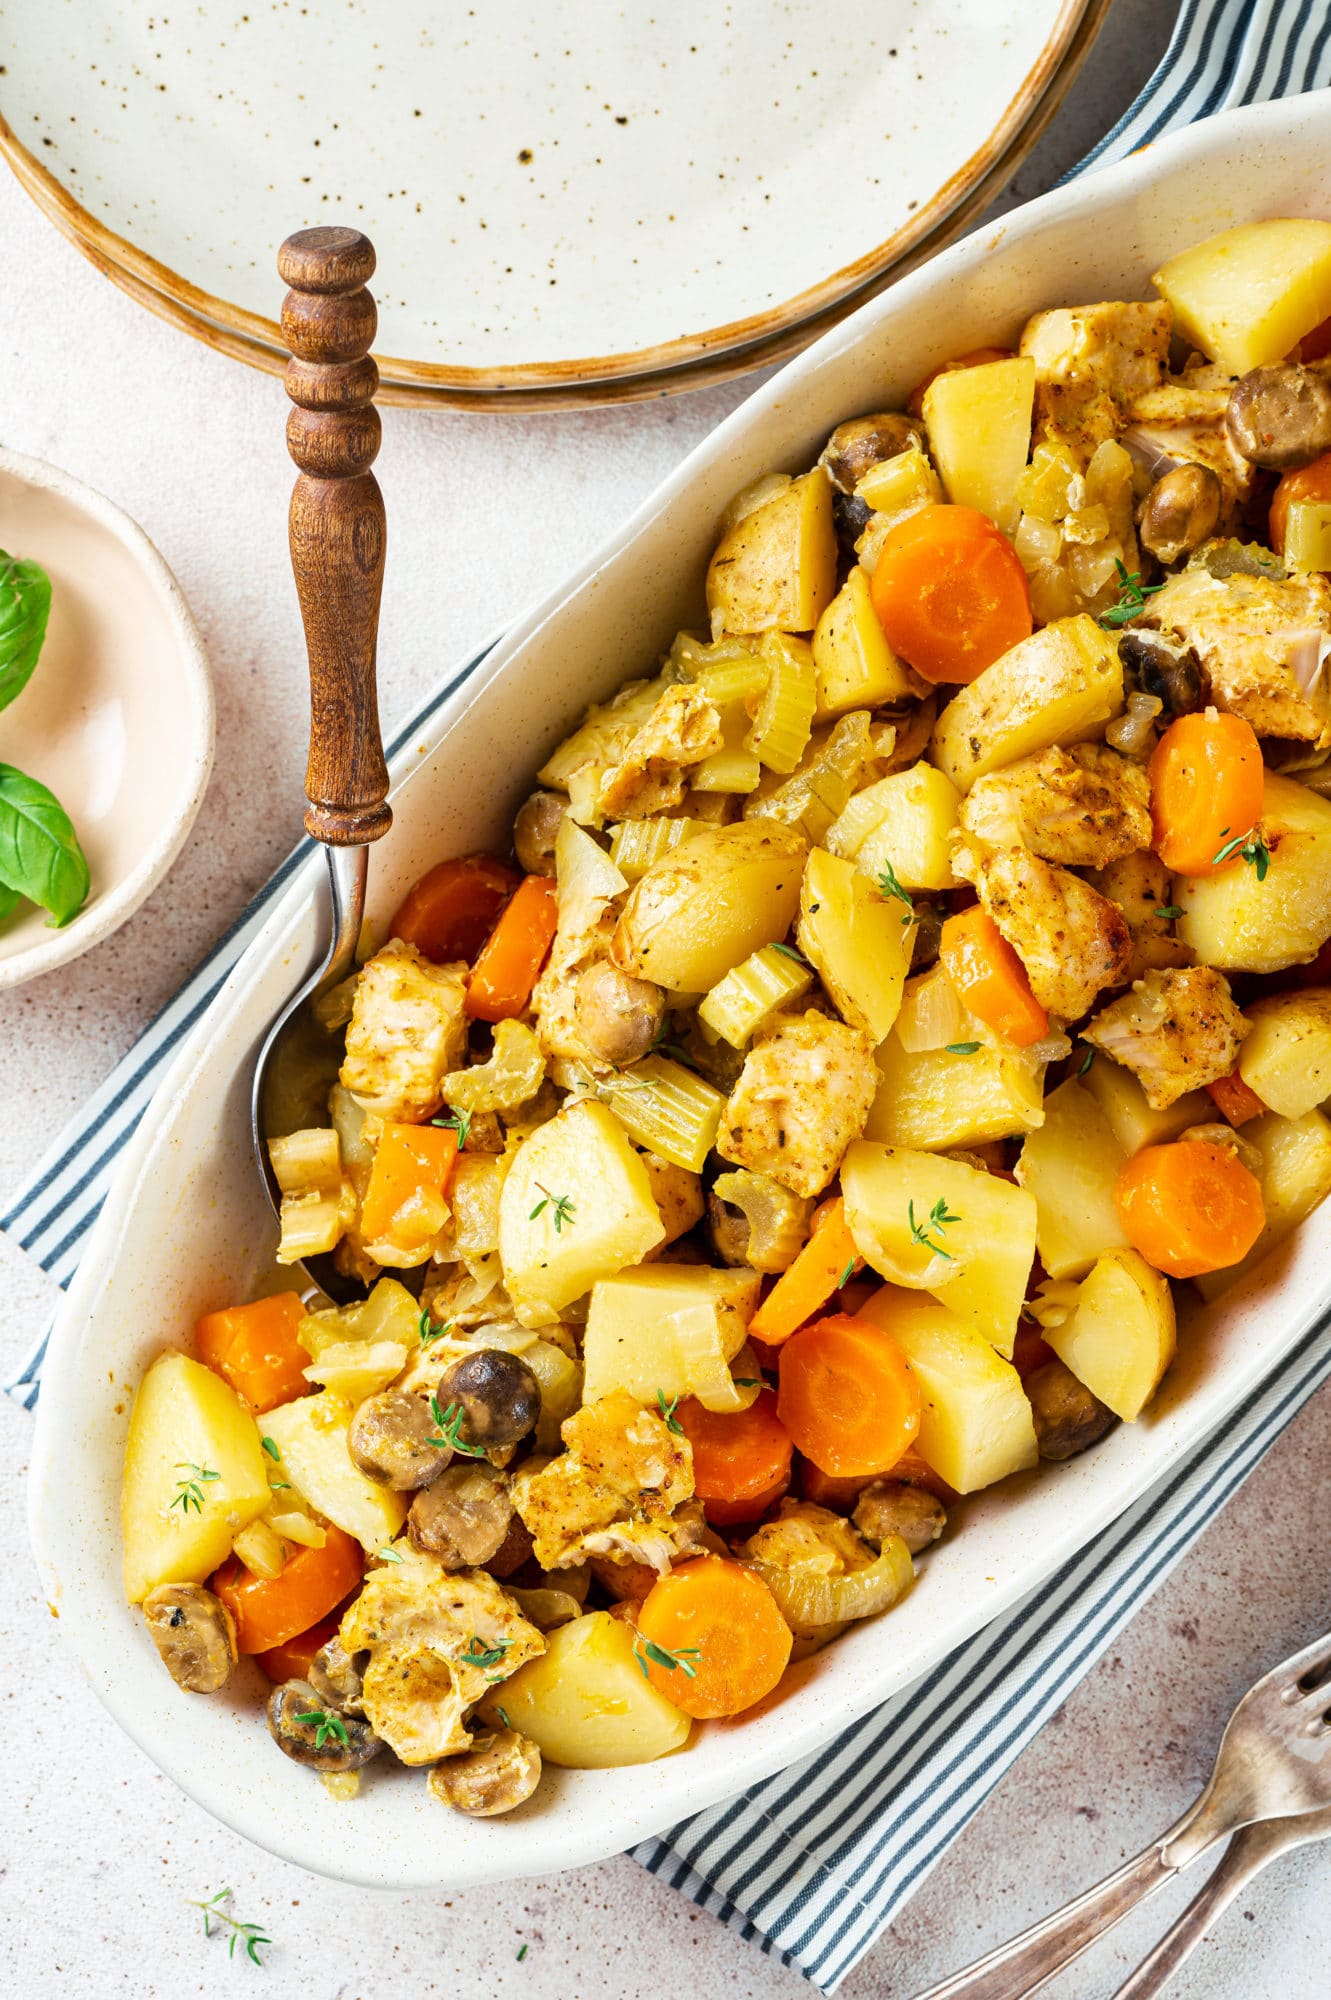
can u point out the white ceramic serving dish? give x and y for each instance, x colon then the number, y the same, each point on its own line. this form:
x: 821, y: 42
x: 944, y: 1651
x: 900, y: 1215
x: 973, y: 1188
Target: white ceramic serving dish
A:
x: 173, y: 1239
x: 117, y: 719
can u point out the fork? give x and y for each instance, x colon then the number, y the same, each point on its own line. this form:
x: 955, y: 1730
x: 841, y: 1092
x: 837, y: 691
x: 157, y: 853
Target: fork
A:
x: 1273, y: 1764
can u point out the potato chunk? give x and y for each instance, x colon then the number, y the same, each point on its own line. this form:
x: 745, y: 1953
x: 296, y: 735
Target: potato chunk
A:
x: 854, y: 665
x: 1132, y: 1120
x: 934, y: 1099
x: 1286, y: 1058
x: 859, y: 940
x: 904, y: 822
x: 1119, y: 1336
x: 1176, y: 1032
x: 576, y: 1206
x: 408, y: 1029
x: 706, y: 906
x: 1246, y: 923
x: 1070, y: 1165
x: 939, y: 1226
x: 311, y: 1435
x: 976, y: 1425
x: 1246, y: 296
x: 1295, y: 1175
x: 776, y: 567
x: 979, y: 424
x: 194, y: 1475
x: 1057, y: 686
x: 669, y: 1330
x: 803, y: 1094
x: 585, y: 1703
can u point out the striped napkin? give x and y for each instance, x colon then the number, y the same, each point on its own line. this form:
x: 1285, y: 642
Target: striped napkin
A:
x: 811, y: 1865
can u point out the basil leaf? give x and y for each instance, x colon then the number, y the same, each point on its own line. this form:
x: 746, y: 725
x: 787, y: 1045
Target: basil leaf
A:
x: 9, y: 902
x: 25, y: 606
x: 40, y: 856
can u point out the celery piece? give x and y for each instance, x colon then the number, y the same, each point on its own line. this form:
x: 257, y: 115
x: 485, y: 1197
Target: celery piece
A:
x: 636, y: 843
x: 784, y: 718
x: 667, y: 1109
x: 747, y: 997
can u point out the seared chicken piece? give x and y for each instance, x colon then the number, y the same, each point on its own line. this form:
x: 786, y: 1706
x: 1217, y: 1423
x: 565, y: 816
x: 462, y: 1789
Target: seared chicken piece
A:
x: 437, y: 1642
x: 408, y: 1029
x: 803, y: 1094
x: 1183, y: 421
x: 1091, y: 363
x: 555, y: 996
x: 613, y: 1491
x: 1140, y: 884
x: 682, y: 730
x: 1175, y: 1031
x: 1264, y: 641
x: 1083, y: 807
x: 1072, y: 941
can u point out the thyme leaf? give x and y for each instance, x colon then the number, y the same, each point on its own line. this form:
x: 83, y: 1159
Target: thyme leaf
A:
x: 1132, y: 596
x: 250, y: 1935
x: 189, y: 1490
x: 448, y: 1436
x: 326, y: 1724
x: 668, y: 1417
x: 681, y: 1658
x: 562, y: 1212
x: 939, y: 1217
x: 456, y: 1121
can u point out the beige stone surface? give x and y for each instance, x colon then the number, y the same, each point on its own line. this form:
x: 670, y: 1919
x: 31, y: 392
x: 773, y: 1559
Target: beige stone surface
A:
x: 98, y: 1853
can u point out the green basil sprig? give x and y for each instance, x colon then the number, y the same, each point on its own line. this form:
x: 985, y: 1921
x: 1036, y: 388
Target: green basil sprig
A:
x: 25, y: 606
x: 40, y: 856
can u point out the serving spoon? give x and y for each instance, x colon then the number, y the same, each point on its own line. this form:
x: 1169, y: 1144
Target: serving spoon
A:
x: 337, y: 536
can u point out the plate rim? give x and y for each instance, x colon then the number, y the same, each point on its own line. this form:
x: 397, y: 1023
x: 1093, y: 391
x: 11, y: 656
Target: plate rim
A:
x: 257, y: 339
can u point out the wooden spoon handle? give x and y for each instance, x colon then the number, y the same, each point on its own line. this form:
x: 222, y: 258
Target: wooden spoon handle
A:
x: 337, y: 525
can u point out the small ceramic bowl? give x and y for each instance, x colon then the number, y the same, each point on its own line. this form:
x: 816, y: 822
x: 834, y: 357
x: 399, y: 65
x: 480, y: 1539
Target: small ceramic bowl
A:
x: 117, y: 719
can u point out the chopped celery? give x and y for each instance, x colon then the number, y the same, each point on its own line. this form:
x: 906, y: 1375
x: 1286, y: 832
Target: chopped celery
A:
x: 778, y: 1220
x: 667, y: 1109
x: 834, y: 764
x: 308, y: 1159
x: 785, y: 712
x: 747, y: 997
x: 636, y: 843
x: 736, y: 767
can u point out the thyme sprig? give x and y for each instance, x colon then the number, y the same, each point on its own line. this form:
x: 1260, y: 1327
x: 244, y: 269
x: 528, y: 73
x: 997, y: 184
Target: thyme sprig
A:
x: 1132, y: 596
x: 485, y: 1657
x: 189, y: 1490
x: 430, y: 1329
x: 1252, y: 846
x: 250, y: 1935
x: 448, y: 1437
x: 456, y: 1121
x: 680, y: 1660
x: 561, y: 1213
x: 890, y: 885
x: 668, y: 1417
x: 939, y: 1217
x: 326, y: 1724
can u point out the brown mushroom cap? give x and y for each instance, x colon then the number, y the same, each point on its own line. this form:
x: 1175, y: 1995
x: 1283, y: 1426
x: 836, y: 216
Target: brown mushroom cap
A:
x: 535, y: 830
x: 497, y: 1393
x: 1280, y: 417
x: 1068, y: 1418
x: 388, y: 1441
x: 889, y: 1507
x: 194, y: 1634
x: 859, y: 444
x: 463, y: 1518
x: 496, y: 1774
x: 312, y: 1734
x: 618, y: 1016
x: 1180, y: 512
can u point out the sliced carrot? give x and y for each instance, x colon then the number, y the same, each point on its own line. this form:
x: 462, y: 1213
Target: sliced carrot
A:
x: 255, y: 1349
x: 721, y: 1627
x: 507, y: 969
x: 847, y: 1396
x: 269, y: 1611
x: 822, y: 1267
x: 1206, y: 791
x: 1309, y: 482
x: 411, y: 1164
x: 975, y: 359
x: 1234, y: 1099
x: 1189, y: 1207
x: 741, y: 1458
x: 950, y: 592
x: 989, y: 977
x: 451, y: 911
x: 291, y: 1660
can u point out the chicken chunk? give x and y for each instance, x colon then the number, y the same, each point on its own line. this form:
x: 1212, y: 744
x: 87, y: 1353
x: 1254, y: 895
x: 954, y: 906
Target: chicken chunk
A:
x: 1083, y: 807
x: 437, y: 1642
x: 682, y: 730
x: 1072, y: 941
x: 1264, y: 641
x: 803, y: 1094
x: 1183, y: 421
x: 1091, y: 363
x: 613, y: 1491
x: 408, y: 1029
x: 1140, y: 885
x: 1175, y: 1031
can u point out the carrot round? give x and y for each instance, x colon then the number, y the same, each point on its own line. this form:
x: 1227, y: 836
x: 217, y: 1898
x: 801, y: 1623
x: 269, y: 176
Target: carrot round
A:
x: 1234, y: 1099
x: 950, y: 592
x: 1189, y: 1207
x: 822, y: 1267
x: 847, y: 1396
x: 975, y: 359
x: 269, y: 1611
x: 1206, y: 791
x: 291, y: 1661
x: 720, y: 1627
x: 990, y: 979
x: 504, y: 974
x: 741, y: 1458
x: 255, y: 1349
x: 450, y: 912
x: 1309, y: 482
x: 409, y: 1160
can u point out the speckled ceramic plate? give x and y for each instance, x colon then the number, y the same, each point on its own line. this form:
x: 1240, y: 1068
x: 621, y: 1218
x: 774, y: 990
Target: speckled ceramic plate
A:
x: 584, y: 196
x: 186, y: 1224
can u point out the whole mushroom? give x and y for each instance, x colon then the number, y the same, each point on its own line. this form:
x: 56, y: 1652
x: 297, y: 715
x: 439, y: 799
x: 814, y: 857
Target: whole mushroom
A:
x: 619, y: 1017
x: 312, y: 1734
x: 497, y: 1395
x: 1280, y: 417
x: 335, y: 1676
x: 464, y: 1517
x: 1180, y: 512
x: 389, y: 1441
x: 194, y: 1634
x: 1068, y: 1418
x: 496, y: 1774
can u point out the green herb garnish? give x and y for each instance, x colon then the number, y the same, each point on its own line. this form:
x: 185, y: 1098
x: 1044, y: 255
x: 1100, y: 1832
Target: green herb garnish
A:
x: 502, y: 1713
x: 1086, y: 1062
x: 40, y: 856
x: 326, y: 1724
x: 962, y: 1048
x: 391, y: 1556
x: 939, y: 1217
x: 561, y: 1213
x: 1132, y: 596
x: 789, y: 951
x: 847, y: 1274
x: 448, y: 1436
x: 1252, y: 847
x: 748, y: 1381
x: 456, y: 1121
x: 668, y: 1417
x: 478, y: 1655
x: 1169, y: 911
x: 249, y: 1935
x: 271, y: 1446
x: 189, y: 1490
x: 522, y: 1953
x: 889, y: 884
x: 647, y: 1649
x: 431, y: 1330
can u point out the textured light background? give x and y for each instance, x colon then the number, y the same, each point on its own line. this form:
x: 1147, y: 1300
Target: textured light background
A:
x: 97, y: 1852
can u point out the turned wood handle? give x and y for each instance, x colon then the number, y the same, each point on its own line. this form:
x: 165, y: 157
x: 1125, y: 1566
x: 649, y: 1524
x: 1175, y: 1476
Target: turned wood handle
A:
x: 337, y: 525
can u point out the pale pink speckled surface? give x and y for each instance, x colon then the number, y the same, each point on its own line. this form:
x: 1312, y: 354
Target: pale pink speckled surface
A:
x: 97, y: 1852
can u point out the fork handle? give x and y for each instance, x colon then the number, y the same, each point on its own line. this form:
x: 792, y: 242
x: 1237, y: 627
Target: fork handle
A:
x: 1025, y: 1962
x: 1251, y: 1849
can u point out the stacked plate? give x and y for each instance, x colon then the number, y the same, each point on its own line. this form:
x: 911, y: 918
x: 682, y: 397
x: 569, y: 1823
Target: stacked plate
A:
x: 573, y: 202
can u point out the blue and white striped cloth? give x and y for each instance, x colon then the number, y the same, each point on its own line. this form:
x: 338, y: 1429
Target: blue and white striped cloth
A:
x: 811, y: 1865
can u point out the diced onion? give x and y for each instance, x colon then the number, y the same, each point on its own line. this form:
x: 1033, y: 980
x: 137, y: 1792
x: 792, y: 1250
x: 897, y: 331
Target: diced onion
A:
x: 1133, y: 733
x: 810, y: 1597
